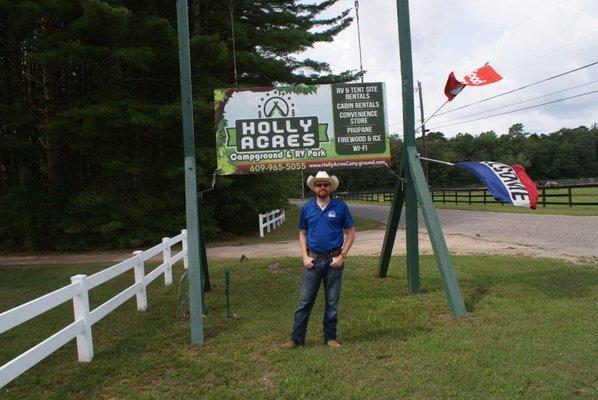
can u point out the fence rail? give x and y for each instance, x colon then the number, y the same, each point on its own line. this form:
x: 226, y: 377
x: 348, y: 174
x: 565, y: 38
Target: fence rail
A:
x: 271, y: 220
x: 476, y: 196
x: 84, y: 318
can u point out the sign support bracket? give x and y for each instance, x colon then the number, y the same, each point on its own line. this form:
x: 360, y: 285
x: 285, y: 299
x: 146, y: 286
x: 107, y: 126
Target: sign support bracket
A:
x: 416, y: 189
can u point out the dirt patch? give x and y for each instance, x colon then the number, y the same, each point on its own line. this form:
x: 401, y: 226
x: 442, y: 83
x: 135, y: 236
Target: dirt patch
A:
x: 367, y: 243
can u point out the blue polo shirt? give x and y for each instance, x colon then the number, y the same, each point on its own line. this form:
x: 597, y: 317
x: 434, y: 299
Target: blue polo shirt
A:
x: 325, y: 228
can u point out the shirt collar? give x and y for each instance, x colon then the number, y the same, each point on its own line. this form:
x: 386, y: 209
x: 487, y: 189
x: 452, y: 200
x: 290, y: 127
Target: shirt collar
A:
x: 315, y: 203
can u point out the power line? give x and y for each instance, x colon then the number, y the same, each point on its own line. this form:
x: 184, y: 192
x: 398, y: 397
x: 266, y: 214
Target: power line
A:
x: 512, y: 111
x: 508, y: 105
x: 519, y: 102
x: 520, y: 88
x: 565, y: 45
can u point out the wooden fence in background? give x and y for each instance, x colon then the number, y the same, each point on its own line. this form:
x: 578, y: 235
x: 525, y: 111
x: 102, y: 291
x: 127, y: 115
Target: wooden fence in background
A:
x: 561, y: 195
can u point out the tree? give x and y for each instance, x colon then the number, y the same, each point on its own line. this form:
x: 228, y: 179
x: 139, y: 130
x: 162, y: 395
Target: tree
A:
x: 567, y: 153
x: 90, y: 131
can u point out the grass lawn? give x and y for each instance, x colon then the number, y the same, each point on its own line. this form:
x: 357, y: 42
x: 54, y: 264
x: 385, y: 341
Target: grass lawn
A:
x: 288, y: 230
x: 533, y: 336
x: 579, y: 195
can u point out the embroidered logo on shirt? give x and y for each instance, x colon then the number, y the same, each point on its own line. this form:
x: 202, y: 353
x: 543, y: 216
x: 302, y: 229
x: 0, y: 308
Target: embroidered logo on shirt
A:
x: 331, y: 214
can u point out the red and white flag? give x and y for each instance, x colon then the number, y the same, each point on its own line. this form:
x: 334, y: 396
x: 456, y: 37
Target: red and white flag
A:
x: 481, y: 76
x: 452, y: 87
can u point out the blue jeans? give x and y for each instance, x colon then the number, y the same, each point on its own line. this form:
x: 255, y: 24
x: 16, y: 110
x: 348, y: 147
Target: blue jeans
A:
x: 310, y: 283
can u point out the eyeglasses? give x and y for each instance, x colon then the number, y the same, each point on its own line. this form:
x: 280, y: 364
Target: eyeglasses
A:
x: 322, y: 184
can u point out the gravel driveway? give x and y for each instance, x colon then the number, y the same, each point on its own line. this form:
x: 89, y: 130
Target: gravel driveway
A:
x: 466, y: 232
x: 573, y: 236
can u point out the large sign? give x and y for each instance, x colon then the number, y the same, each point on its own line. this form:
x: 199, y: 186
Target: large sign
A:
x: 289, y: 128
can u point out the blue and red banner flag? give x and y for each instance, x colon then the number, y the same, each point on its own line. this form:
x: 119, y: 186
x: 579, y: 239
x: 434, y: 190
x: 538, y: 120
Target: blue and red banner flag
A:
x: 508, y: 184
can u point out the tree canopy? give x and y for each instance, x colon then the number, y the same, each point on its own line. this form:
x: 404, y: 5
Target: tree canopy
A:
x: 568, y: 153
x: 90, y: 117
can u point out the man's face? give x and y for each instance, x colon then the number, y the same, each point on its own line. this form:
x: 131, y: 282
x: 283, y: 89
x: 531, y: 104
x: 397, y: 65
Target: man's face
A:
x: 322, y: 189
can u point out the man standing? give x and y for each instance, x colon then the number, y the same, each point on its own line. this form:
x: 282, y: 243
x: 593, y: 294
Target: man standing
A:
x: 324, y: 249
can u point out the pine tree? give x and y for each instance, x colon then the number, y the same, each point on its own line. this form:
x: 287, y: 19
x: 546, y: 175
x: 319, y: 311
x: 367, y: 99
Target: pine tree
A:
x: 90, y: 120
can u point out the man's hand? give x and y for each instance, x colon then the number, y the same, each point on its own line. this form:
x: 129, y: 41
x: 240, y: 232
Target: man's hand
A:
x: 337, y: 261
x: 308, y: 262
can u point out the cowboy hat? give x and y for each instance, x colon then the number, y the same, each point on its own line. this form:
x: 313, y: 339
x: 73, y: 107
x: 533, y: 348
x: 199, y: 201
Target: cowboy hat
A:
x: 322, y: 176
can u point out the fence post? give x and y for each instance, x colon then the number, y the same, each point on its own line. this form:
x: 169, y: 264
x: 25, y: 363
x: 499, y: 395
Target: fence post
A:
x: 570, y: 197
x: 139, y: 270
x: 485, y: 196
x: 184, y: 244
x: 166, y: 254
x: 260, y: 218
x: 455, y: 196
x: 443, y: 196
x: 81, y: 311
x: 469, y: 196
x: 543, y: 197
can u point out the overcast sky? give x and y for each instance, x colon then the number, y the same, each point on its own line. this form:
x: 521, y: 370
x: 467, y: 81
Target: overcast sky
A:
x: 524, y: 40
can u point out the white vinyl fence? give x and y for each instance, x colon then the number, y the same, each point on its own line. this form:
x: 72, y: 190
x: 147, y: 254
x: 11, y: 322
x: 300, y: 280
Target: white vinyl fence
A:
x: 84, y: 318
x: 269, y: 220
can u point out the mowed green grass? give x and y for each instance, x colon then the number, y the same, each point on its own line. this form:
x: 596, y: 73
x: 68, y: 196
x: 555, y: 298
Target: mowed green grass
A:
x: 532, y: 336
x: 288, y: 230
x: 578, y: 195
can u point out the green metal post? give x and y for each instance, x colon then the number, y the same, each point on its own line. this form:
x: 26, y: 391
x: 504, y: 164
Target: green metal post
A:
x: 205, y: 276
x: 227, y: 293
x: 409, y: 136
x: 412, y: 239
x: 443, y: 260
x: 193, y: 238
x: 393, y: 224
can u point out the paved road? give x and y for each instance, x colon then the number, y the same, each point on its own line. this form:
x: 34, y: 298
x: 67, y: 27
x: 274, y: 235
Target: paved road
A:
x: 466, y: 232
x: 571, y: 235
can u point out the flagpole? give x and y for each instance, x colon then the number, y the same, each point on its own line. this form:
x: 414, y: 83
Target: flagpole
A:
x: 433, y: 114
x: 416, y: 190
x: 436, y: 161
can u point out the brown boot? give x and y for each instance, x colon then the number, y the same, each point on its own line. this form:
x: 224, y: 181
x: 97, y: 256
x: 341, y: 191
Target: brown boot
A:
x: 289, y: 345
x: 333, y: 343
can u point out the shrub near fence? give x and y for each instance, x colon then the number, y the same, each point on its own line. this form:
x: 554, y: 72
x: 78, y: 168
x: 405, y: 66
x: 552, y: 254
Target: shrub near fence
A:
x: 562, y: 195
x: 84, y: 318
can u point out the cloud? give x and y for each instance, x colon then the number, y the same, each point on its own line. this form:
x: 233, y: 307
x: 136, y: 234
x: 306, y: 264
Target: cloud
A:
x: 524, y: 41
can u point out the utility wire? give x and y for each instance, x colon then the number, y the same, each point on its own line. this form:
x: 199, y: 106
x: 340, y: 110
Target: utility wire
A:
x: 426, y: 120
x: 520, y: 88
x: 519, y: 102
x: 359, y: 40
x: 519, y: 109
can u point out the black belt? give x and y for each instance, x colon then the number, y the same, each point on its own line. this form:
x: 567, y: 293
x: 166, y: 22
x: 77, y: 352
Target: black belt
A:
x: 333, y: 252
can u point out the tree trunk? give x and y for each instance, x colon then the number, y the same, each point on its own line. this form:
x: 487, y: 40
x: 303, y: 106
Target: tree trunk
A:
x: 51, y: 147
